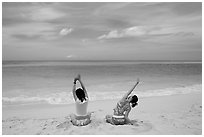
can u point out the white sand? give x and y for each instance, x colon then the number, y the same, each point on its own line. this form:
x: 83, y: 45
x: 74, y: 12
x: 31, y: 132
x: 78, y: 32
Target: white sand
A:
x: 177, y: 114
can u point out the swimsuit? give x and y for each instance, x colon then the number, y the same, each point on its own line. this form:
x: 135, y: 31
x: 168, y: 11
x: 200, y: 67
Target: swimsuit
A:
x: 118, y: 117
x: 81, y: 118
x: 81, y: 107
x: 118, y: 120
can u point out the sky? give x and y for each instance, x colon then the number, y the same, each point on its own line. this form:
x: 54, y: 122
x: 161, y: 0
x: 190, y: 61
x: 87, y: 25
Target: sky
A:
x: 102, y: 31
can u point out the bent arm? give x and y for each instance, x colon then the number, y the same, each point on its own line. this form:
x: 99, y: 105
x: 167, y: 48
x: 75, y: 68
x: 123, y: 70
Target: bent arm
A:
x: 83, y: 87
x: 73, y: 91
x: 130, y: 91
x: 126, y: 116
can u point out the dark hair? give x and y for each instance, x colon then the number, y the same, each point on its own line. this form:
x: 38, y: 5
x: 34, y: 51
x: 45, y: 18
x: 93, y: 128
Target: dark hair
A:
x: 80, y: 94
x: 134, y: 100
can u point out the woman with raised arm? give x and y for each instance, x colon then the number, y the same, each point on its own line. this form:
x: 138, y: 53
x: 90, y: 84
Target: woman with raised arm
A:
x: 81, y: 118
x: 123, y: 108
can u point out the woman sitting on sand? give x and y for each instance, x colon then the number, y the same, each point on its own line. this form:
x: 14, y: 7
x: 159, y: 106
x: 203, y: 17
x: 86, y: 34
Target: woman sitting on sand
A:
x: 122, y: 109
x: 81, y: 118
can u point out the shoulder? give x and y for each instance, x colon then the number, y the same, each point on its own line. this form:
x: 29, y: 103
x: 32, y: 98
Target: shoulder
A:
x: 122, y: 101
x: 128, y: 107
x: 84, y: 101
x: 87, y: 99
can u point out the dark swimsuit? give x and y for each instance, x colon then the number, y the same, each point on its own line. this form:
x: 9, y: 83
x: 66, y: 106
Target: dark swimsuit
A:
x: 118, y: 115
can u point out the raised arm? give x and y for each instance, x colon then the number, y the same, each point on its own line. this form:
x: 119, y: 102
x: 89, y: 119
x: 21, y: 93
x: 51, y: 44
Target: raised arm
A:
x: 130, y: 91
x: 74, y: 89
x: 82, y: 85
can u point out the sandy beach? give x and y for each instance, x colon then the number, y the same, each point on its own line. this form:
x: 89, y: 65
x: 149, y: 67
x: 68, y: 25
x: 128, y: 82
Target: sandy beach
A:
x: 167, y: 115
x: 37, y: 97
x: 112, y: 46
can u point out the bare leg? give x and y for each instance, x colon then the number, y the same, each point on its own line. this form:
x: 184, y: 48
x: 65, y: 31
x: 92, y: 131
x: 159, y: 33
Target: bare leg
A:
x: 89, y: 114
x: 80, y: 122
x: 87, y: 120
x: 109, y: 119
x: 73, y: 119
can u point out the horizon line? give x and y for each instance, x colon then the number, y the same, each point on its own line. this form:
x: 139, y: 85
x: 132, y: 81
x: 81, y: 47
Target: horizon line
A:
x: 113, y: 60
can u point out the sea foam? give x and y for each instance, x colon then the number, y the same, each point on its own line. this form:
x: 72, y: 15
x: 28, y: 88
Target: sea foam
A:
x: 67, y: 98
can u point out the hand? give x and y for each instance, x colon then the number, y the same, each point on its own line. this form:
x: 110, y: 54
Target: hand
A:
x: 78, y: 77
x: 130, y: 122
x: 75, y: 79
x: 133, y: 122
x: 138, y: 80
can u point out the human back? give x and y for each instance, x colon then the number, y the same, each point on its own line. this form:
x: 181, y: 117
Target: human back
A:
x: 81, y: 102
x: 81, y: 108
x: 121, y: 107
x: 81, y: 117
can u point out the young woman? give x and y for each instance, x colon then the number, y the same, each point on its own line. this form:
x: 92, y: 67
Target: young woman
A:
x: 123, y: 108
x: 81, y: 118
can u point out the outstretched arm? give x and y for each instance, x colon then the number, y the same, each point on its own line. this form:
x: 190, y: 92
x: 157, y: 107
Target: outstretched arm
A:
x: 130, y: 91
x: 82, y: 85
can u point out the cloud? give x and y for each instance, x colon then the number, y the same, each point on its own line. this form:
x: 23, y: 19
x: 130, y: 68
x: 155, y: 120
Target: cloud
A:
x: 111, y: 34
x: 26, y: 37
x: 141, y: 31
x: 135, y: 25
x: 29, y: 31
x: 128, y: 32
x: 69, y: 56
x: 66, y: 31
x: 136, y: 31
x: 44, y: 14
x: 106, y: 8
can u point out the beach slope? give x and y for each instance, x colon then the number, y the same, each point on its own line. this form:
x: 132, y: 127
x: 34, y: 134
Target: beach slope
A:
x: 167, y: 115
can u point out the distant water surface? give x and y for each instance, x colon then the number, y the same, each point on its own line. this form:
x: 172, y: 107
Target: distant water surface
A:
x: 51, y: 82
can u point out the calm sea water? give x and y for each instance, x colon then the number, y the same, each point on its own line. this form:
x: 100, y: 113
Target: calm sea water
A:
x: 28, y: 82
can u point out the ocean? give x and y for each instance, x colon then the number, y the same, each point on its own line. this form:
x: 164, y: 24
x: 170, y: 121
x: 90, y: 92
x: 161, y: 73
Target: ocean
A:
x: 36, y: 82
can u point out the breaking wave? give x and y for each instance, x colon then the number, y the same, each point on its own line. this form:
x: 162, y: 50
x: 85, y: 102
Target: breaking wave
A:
x: 67, y: 98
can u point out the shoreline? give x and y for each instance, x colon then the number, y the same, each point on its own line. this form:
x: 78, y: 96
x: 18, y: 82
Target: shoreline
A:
x: 66, y: 98
x: 175, y: 114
